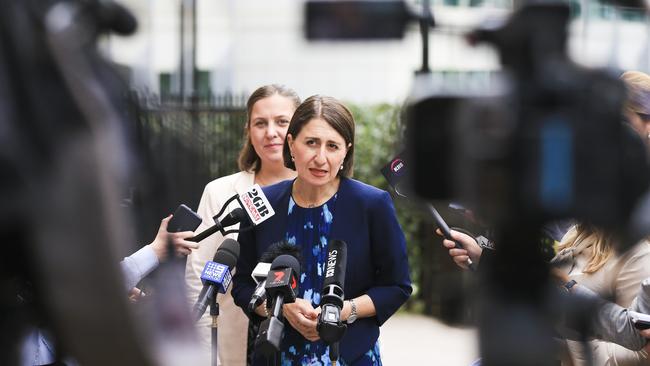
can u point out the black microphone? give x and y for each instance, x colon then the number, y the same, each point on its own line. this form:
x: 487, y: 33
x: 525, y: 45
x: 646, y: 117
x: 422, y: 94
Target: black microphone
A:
x: 217, y: 275
x: 397, y: 175
x: 282, y: 287
x: 273, y: 251
x: 255, y: 209
x: 114, y: 17
x: 235, y: 216
x: 330, y: 327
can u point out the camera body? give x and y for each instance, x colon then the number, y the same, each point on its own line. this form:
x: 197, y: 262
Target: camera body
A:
x: 550, y: 145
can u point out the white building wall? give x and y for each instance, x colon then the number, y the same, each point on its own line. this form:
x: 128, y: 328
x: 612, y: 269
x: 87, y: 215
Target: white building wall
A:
x: 247, y: 43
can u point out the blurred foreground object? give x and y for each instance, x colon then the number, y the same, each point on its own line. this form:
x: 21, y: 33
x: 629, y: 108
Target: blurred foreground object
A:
x: 545, y: 142
x: 66, y: 159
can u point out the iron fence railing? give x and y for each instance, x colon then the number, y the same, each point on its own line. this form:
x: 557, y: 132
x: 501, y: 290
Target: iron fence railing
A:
x: 191, y: 140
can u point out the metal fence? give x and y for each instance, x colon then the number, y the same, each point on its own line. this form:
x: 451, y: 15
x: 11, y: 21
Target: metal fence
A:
x: 191, y: 141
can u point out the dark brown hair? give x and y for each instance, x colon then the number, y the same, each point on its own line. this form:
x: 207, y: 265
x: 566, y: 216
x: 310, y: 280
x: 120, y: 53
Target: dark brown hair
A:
x: 248, y: 159
x: 335, y: 114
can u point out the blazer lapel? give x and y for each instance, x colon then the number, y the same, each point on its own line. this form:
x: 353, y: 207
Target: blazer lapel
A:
x: 244, y: 182
x: 339, y: 227
x: 274, y: 229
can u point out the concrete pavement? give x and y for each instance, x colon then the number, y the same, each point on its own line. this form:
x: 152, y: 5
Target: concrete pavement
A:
x: 408, y: 339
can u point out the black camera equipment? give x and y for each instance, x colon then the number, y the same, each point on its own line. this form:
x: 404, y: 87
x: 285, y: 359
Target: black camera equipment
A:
x: 544, y: 143
x: 66, y: 157
x: 551, y: 146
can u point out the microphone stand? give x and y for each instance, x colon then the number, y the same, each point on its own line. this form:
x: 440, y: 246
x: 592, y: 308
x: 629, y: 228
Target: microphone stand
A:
x: 334, y: 352
x: 331, y: 332
x: 214, y: 313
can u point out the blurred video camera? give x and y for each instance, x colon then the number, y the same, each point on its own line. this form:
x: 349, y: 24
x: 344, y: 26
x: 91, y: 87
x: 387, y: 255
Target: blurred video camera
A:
x: 549, y: 145
x: 545, y: 142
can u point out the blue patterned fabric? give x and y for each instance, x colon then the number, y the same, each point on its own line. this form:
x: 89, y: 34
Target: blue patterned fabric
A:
x: 309, y: 228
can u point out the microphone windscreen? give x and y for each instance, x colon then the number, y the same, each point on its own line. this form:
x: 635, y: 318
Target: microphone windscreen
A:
x: 228, y: 253
x: 337, y: 257
x: 117, y: 18
x: 286, y: 261
x: 277, y: 249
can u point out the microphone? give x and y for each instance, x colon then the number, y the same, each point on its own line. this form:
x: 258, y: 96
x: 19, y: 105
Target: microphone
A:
x: 235, y: 216
x: 397, y: 176
x: 330, y: 327
x: 262, y: 269
x: 256, y: 204
x: 112, y: 16
x: 216, y: 276
x: 282, y: 287
x: 255, y: 209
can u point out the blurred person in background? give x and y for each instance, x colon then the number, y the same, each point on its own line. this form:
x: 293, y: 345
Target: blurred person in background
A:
x: 636, y: 110
x: 587, y: 257
x: 269, y: 110
x: 321, y: 204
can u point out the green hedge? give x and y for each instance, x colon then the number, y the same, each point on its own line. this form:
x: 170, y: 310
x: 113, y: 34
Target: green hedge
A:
x: 378, y: 130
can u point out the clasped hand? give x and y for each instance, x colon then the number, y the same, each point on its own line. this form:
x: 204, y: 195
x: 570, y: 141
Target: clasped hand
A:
x: 303, y: 318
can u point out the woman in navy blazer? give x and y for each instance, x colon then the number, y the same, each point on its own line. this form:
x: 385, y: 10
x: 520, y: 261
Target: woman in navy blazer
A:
x: 319, y: 205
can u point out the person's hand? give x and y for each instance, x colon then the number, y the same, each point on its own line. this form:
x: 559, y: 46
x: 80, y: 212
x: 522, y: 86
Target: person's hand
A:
x: 135, y: 294
x: 303, y: 318
x: 559, y: 276
x: 471, y: 249
x: 646, y: 334
x: 181, y: 246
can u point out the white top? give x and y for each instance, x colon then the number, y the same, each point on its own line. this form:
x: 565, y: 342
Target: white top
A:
x: 138, y: 265
x: 233, y: 324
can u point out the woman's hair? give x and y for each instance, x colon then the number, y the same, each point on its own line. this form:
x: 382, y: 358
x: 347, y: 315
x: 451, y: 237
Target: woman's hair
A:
x: 335, y: 114
x: 248, y: 159
x: 638, y: 92
x: 602, y: 245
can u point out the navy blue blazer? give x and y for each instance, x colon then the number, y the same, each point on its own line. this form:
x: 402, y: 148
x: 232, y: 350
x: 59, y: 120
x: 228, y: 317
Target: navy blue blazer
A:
x: 377, y: 263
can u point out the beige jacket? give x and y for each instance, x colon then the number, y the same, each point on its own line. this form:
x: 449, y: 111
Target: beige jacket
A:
x: 619, y: 281
x: 233, y: 324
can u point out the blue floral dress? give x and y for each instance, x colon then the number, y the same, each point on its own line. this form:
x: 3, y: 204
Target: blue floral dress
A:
x: 310, y: 229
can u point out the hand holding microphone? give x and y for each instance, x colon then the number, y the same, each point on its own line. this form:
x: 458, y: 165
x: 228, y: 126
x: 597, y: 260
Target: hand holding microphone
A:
x: 469, y: 249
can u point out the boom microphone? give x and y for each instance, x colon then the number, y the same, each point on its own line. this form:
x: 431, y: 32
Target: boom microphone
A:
x: 114, y: 17
x: 235, y: 216
x: 330, y: 327
x: 216, y: 276
x: 397, y: 175
x: 255, y: 209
